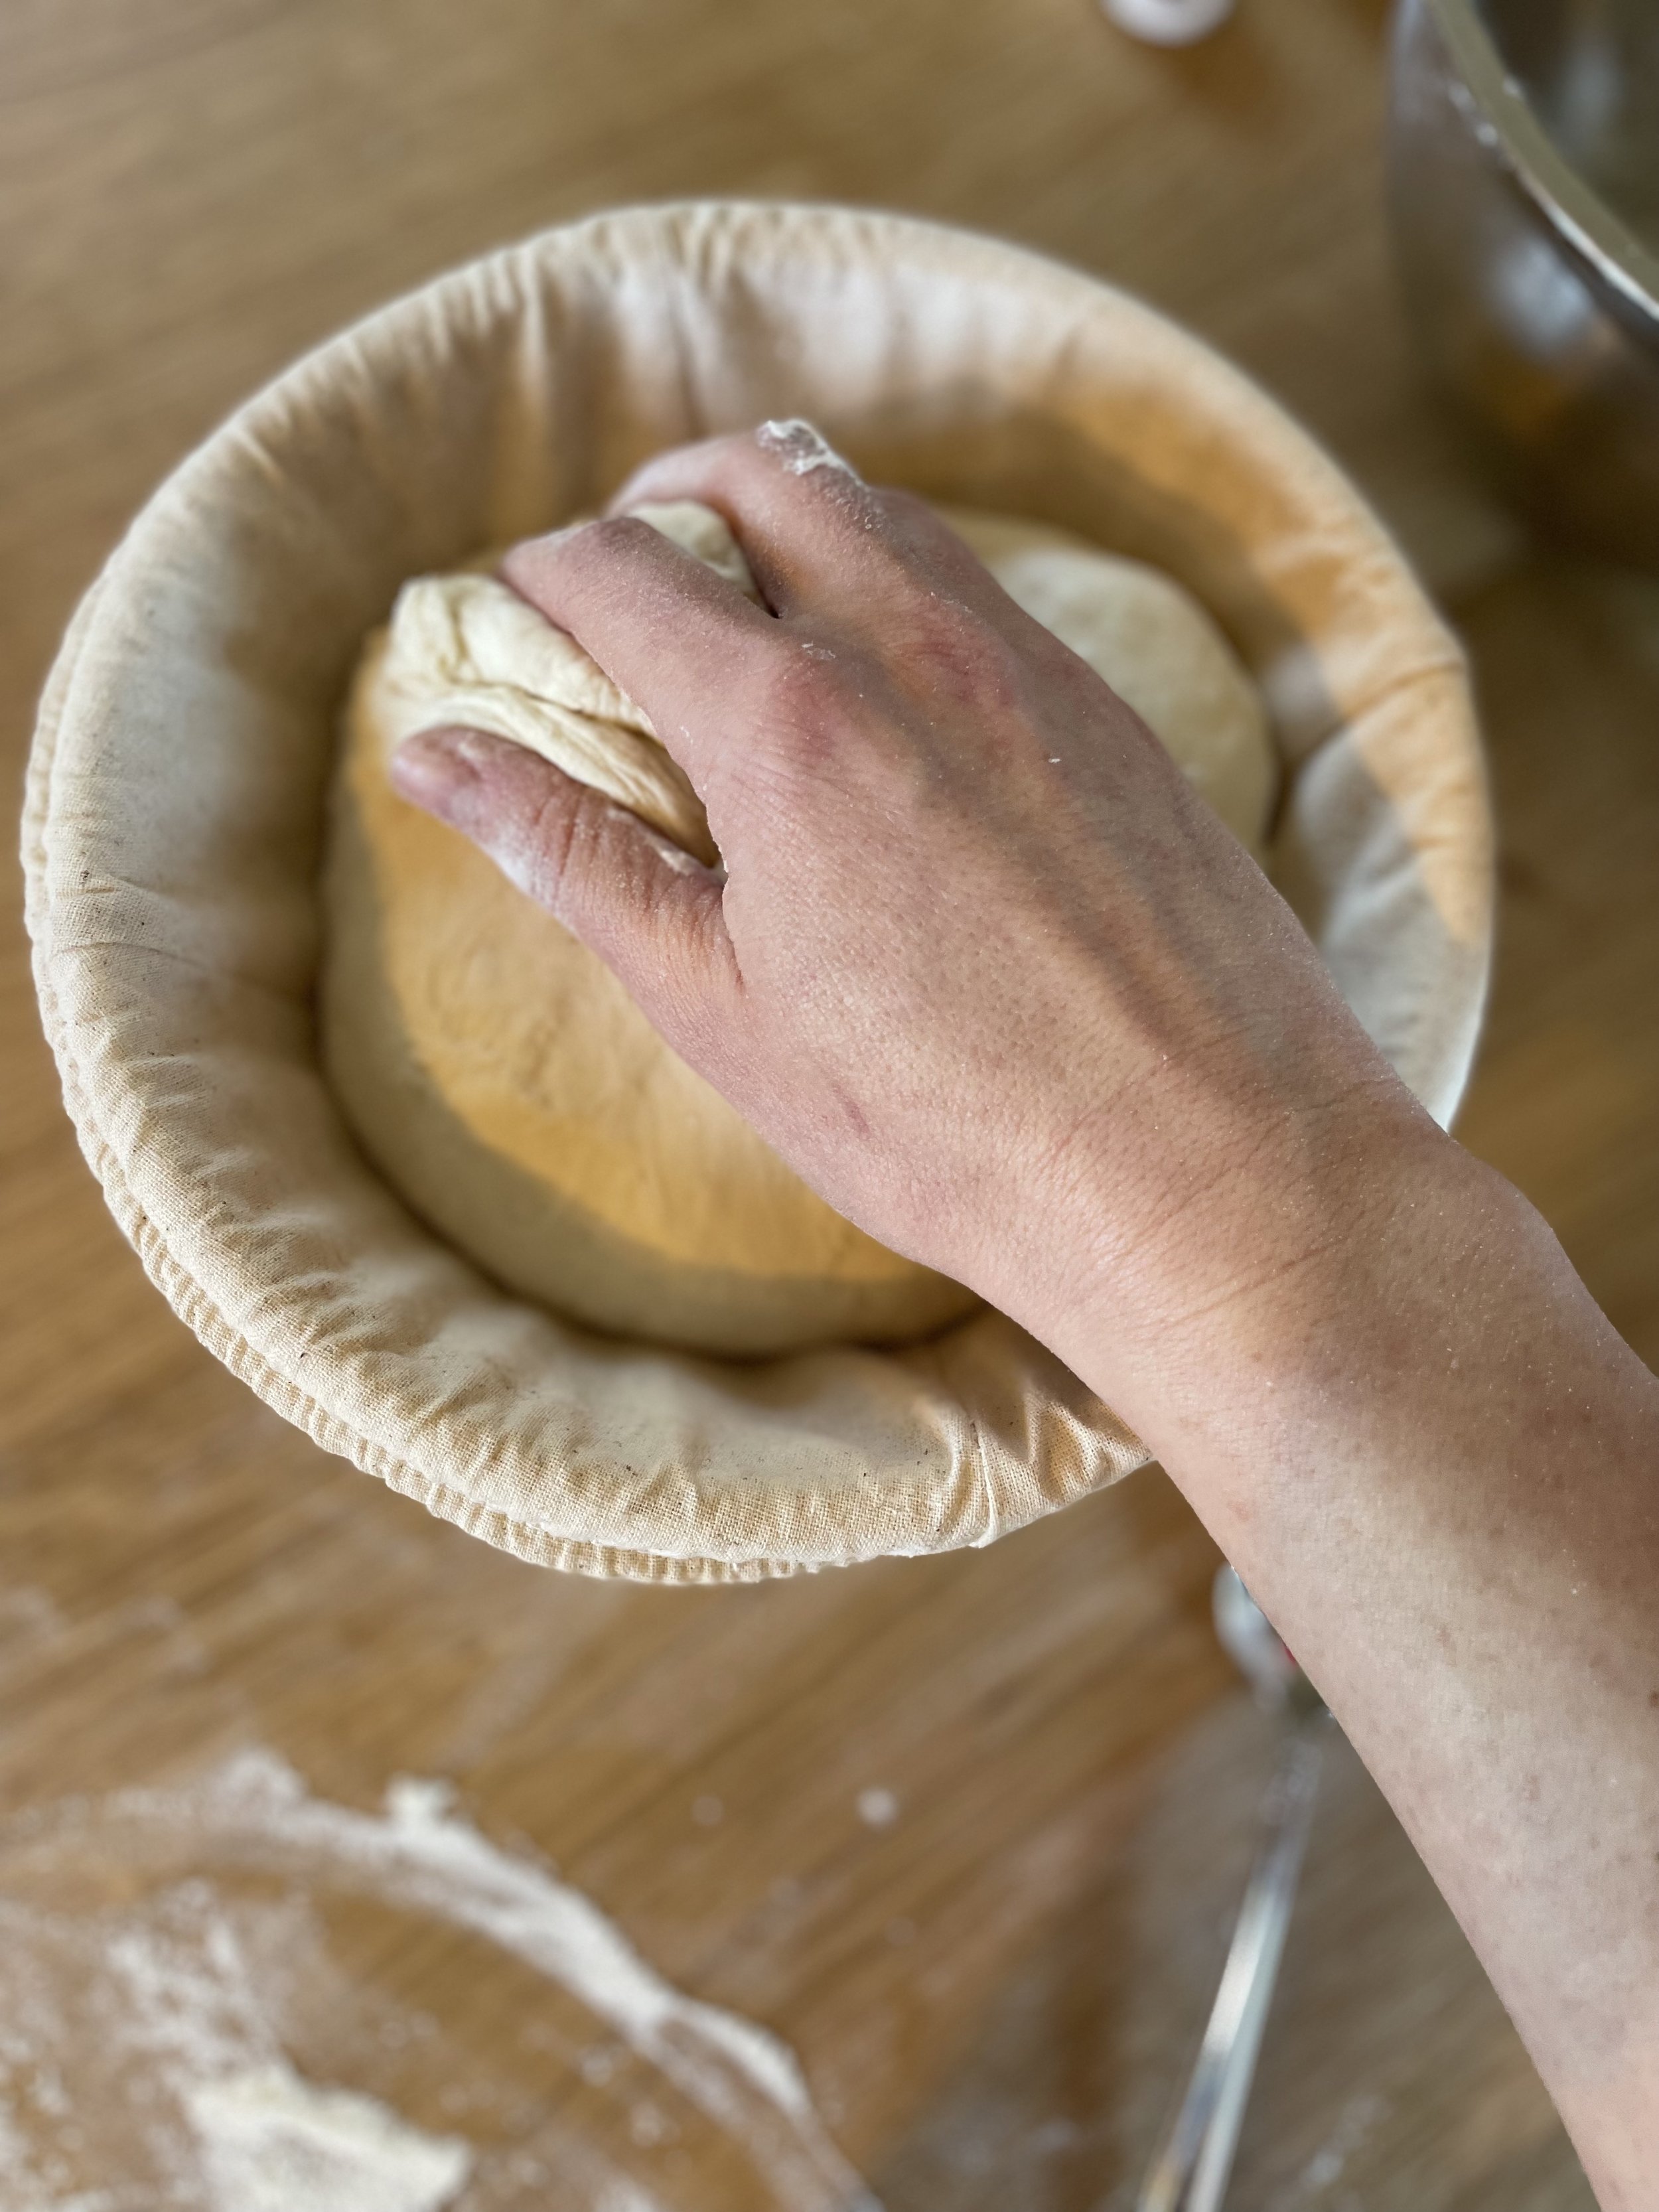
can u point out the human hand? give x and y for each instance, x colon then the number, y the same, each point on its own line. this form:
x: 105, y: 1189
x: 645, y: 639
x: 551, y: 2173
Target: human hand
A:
x: 982, y: 967
x: 989, y: 976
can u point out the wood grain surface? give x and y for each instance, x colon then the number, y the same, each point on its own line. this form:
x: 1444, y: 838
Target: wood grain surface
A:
x: 965, y: 1832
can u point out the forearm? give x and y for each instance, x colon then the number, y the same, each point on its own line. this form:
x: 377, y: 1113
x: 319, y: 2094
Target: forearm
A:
x: 1437, y: 1468
x: 986, y: 973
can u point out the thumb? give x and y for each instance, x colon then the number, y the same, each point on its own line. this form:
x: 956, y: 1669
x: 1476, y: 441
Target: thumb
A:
x: 651, y: 912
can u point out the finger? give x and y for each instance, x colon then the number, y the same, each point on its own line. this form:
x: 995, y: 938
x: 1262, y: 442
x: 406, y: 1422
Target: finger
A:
x: 849, y: 558
x: 675, y: 637
x: 804, y: 516
x: 651, y: 912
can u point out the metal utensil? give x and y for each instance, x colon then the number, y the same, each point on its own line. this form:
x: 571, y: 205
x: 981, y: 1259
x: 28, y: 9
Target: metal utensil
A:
x: 1190, y: 2172
x: 1523, y: 185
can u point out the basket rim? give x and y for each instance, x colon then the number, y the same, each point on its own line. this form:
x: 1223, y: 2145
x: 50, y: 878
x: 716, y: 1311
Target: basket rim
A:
x: 969, y: 251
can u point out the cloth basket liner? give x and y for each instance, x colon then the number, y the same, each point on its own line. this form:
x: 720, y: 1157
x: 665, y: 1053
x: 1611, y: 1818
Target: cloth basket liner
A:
x: 177, y: 795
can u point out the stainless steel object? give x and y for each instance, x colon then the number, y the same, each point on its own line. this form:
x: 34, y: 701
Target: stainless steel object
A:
x: 1523, y: 164
x: 1189, y: 2174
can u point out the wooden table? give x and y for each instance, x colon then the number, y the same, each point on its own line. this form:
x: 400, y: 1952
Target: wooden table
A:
x: 992, y: 1967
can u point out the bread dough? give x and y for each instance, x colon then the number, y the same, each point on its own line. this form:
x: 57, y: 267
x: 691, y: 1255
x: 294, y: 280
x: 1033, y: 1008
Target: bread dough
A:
x: 503, y: 1078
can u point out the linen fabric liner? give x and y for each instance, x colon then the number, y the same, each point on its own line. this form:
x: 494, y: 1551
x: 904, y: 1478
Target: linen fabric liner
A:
x: 186, y: 736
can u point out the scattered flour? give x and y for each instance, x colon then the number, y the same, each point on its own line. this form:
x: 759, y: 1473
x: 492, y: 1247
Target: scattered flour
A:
x: 163, y: 2010
x: 625, y: 2196
x: 1359, y: 2118
x: 802, y: 448
x: 878, y: 1808
x: 138, y: 2042
x: 271, y: 2142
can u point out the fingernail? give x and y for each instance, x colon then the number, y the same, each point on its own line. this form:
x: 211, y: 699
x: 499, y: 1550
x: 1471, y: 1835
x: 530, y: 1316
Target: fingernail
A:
x: 434, y: 768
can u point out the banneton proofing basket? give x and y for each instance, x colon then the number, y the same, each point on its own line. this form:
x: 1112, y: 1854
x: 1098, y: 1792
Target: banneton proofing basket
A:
x: 176, y: 800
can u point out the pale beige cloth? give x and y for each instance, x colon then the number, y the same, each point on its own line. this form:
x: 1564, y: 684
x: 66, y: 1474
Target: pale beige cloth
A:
x: 176, y: 800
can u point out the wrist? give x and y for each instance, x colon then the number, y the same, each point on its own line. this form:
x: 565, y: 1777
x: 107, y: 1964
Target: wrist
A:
x: 1248, y: 1295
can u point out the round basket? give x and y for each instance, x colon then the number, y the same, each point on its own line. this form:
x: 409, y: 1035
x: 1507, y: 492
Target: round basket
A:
x: 177, y: 797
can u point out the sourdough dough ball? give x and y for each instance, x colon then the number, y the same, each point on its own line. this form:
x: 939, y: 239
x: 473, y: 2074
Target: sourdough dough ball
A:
x: 503, y: 1079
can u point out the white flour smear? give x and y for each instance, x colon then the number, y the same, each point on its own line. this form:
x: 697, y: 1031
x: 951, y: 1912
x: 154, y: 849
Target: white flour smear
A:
x: 803, y: 448
x: 270, y: 2142
x: 136, y: 2043
x: 163, y: 2011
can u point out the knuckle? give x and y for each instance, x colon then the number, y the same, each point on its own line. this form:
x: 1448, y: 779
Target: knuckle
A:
x: 952, y: 651
x: 807, y: 689
x: 615, y: 537
x: 556, y: 571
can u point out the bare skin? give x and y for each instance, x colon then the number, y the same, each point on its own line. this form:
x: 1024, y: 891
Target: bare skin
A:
x: 986, y: 973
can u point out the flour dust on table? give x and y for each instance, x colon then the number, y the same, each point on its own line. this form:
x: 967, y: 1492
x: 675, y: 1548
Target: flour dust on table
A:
x: 202, y: 2011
